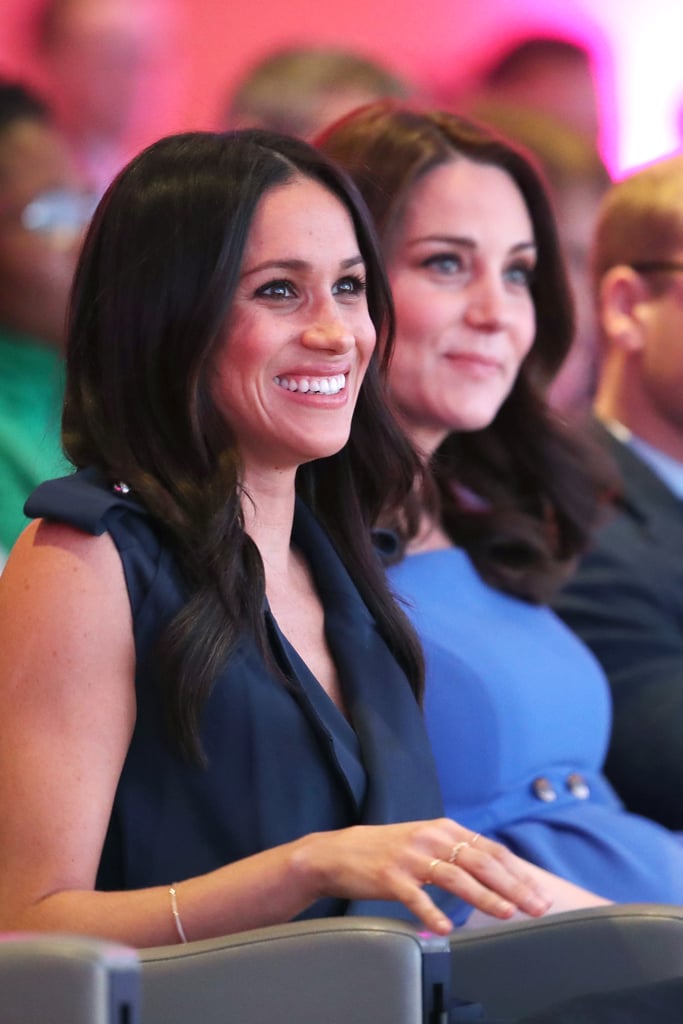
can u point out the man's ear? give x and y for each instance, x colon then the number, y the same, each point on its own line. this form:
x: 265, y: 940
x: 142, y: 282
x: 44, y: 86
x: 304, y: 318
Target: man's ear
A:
x: 621, y: 294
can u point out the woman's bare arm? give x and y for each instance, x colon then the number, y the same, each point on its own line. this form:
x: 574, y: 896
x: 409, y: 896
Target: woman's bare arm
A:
x: 67, y: 712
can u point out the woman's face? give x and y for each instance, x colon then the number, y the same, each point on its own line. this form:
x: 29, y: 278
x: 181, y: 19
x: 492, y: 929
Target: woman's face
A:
x: 460, y: 263
x: 299, y: 335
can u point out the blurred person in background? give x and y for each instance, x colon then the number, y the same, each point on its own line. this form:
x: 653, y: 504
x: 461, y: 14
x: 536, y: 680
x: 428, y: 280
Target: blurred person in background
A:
x: 626, y: 599
x: 546, y: 74
x: 300, y: 90
x: 43, y: 209
x: 107, y: 67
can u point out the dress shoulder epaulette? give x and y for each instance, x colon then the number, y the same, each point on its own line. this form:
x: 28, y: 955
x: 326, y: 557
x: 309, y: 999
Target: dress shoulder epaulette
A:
x: 83, y: 499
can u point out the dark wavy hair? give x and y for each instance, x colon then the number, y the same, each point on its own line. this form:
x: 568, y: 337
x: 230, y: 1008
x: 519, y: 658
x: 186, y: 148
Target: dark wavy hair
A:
x: 152, y: 291
x: 535, y: 487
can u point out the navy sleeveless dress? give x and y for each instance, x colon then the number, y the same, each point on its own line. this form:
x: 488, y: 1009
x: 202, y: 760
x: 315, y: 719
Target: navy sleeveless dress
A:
x: 282, y: 761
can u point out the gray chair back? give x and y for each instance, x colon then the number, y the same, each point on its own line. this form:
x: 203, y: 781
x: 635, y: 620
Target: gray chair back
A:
x: 66, y: 979
x: 336, y: 971
x: 524, y: 967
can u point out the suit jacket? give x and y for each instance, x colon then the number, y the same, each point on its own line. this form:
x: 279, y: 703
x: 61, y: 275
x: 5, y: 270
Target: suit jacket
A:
x: 626, y: 602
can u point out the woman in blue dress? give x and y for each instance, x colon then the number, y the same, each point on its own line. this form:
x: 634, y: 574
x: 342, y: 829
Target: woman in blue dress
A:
x: 517, y: 709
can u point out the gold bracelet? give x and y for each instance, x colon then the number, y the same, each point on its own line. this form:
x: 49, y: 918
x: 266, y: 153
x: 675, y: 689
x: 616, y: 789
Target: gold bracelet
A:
x: 176, y: 916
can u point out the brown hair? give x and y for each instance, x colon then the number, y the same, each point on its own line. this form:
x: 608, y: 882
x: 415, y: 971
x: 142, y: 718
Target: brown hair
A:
x: 641, y: 218
x: 536, y: 499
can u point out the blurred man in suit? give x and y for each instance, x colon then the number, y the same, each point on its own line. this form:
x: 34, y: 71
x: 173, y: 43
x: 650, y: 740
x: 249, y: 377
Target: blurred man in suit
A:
x: 626, y: 599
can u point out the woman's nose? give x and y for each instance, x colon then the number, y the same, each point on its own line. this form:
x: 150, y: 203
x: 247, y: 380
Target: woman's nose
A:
x: 486, y: 303
x: 330, y: 334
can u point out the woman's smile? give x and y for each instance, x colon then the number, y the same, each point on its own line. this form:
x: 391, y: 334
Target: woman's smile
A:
x: 313, y: 385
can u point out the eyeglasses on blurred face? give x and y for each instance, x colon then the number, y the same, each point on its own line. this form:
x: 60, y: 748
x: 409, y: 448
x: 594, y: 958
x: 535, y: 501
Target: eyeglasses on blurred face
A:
x: 58, y: 210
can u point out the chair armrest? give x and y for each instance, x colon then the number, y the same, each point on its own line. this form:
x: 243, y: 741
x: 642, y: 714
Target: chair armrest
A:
x: 67, y: 979
x: 337, y: 970
x: 523, y: 967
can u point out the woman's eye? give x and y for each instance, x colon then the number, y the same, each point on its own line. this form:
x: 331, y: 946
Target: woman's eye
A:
x: 521, y: 274
x: 444, y: 263
x: 276, y: 290
x: 349, y: 285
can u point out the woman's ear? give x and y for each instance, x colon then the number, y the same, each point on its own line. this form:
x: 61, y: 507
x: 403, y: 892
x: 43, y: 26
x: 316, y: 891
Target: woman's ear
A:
x: 621, y: 294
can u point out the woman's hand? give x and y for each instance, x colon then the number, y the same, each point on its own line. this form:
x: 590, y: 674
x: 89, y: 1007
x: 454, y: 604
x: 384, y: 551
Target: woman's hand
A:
x: 396, y: 862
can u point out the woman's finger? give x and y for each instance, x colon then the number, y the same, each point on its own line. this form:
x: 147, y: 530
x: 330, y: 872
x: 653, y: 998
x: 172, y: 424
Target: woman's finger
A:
x: 481, y: 879
x: 413, y: 896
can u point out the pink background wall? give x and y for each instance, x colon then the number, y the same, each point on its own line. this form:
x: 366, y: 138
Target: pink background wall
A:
x: 637, y: 46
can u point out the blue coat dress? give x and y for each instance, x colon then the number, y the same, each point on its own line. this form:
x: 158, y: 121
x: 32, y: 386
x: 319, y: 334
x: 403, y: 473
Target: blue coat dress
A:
x: 518, y: 711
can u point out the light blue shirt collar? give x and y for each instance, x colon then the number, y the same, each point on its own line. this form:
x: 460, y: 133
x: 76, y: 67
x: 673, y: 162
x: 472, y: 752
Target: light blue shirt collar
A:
x: 669, y: 470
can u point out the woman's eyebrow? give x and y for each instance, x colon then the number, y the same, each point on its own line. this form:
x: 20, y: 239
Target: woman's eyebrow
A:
x: 465, y: 242
x: 299, y: 265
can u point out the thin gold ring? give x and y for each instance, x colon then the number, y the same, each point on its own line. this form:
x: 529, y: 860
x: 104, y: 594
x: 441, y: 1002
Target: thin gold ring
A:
x: 432, y: 865
x: 455, y: 852
x: 477, y: 835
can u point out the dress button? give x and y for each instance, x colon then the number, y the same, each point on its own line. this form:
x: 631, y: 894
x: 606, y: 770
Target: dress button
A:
x: 577, y: 786
x: 544, y: 790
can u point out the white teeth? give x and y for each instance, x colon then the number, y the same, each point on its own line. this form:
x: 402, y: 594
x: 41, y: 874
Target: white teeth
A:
x: 314, y: 385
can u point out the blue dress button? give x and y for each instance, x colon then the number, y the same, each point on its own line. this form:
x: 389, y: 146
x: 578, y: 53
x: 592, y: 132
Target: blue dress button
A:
x: 544, y: 790
x: 577, y: 786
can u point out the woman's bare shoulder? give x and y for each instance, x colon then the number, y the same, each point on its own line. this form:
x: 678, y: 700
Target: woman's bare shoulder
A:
x: 46, y: 546
x: 64, y: 591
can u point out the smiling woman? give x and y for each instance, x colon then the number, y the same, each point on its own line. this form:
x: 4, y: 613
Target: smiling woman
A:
x: 462, y: 297
x: 300, y: 335
x: 219, y: 724
x: 517, y: 709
